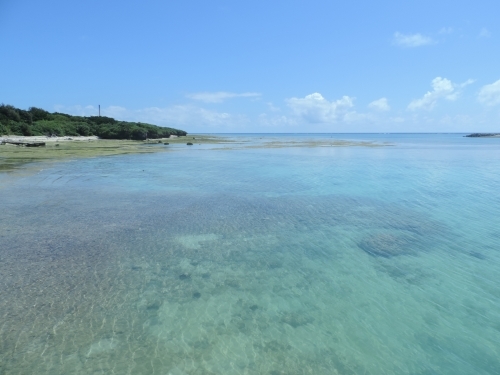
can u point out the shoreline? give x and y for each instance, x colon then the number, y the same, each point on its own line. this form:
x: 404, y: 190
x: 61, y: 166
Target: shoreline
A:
x: 483, y: 135
x: 15, y: 154
x: 21, y: 138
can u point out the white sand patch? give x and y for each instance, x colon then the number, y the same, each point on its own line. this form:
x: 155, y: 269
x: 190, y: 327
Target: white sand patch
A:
x: 19, y: 138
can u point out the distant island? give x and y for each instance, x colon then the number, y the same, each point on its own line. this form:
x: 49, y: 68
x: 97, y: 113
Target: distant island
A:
x: 477, y: 135
x: 38, y: 122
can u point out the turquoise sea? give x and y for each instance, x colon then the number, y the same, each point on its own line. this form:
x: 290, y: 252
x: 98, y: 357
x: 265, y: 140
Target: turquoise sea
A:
x: 238, y: 260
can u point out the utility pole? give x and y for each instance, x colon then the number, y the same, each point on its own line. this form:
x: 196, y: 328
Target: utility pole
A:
x: 99, y: 110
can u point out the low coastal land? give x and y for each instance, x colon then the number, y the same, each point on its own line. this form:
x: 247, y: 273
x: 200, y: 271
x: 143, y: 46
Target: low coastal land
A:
x: 38, y: 122
x: 483, y: 135
x: 38, y: 135
x: 14, y: 153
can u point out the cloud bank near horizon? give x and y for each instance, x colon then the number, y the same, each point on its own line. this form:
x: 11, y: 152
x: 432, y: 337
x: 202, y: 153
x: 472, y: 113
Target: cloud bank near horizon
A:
x: 314, y: 108
x: 312, y: 112
x: 220, y: 96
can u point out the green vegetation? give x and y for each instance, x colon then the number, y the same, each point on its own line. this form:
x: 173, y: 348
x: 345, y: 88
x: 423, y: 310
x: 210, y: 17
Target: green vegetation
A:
x: 38, y: 122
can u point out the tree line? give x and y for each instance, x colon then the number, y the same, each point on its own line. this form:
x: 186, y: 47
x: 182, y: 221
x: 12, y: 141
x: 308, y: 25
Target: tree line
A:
x: 38, y: 122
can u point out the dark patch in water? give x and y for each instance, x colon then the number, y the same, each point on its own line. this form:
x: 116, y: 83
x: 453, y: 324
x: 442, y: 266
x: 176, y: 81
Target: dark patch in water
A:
x: 184, y: 276
x: 205, y: 276
x: 232, y: 284
x: 275, y: 264
x: 153, y: 306
x: 412, y: 276
x: 136, y: 268
x: 254, y: 307
x: 196, y: 295
x: 477, y: 255
x: 386, y: 245
x: 296, y: 319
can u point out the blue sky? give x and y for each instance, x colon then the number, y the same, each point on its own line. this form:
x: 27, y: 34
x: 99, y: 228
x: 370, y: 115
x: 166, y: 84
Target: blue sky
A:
x: 258, y: 66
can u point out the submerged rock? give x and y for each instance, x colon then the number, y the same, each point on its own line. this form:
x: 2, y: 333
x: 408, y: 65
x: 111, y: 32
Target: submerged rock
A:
x: 296, y: 319
x: 477, y: 255
x: 386, y: 245
x: 155, y: 305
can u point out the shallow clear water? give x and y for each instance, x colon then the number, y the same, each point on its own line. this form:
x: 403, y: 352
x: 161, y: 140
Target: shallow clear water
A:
x: 342, y: 260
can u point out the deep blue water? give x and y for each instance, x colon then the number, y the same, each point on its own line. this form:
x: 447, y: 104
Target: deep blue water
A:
x: 303, y: 260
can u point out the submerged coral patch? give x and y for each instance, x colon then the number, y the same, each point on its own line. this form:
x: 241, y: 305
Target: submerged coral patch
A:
x: 386, y: 245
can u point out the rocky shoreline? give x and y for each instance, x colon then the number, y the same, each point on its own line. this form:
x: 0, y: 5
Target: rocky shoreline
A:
x: 16, y: 151
x: 478, y: 135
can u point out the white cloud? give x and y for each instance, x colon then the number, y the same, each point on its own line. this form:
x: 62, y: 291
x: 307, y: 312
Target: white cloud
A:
x: 490, y: 94
x: 272, y: 107
x: 314, y: 108
x: 380, y: 105
x: 114, y: 111
x: 78, y: 110
x: 398, y: 119
x: 442, y: 88
x: 446, y: 30
x: 412, y: 40
x: 275, y: 122
x: 484, y: 33
x: 219, y: 97
x: 186, y: 117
